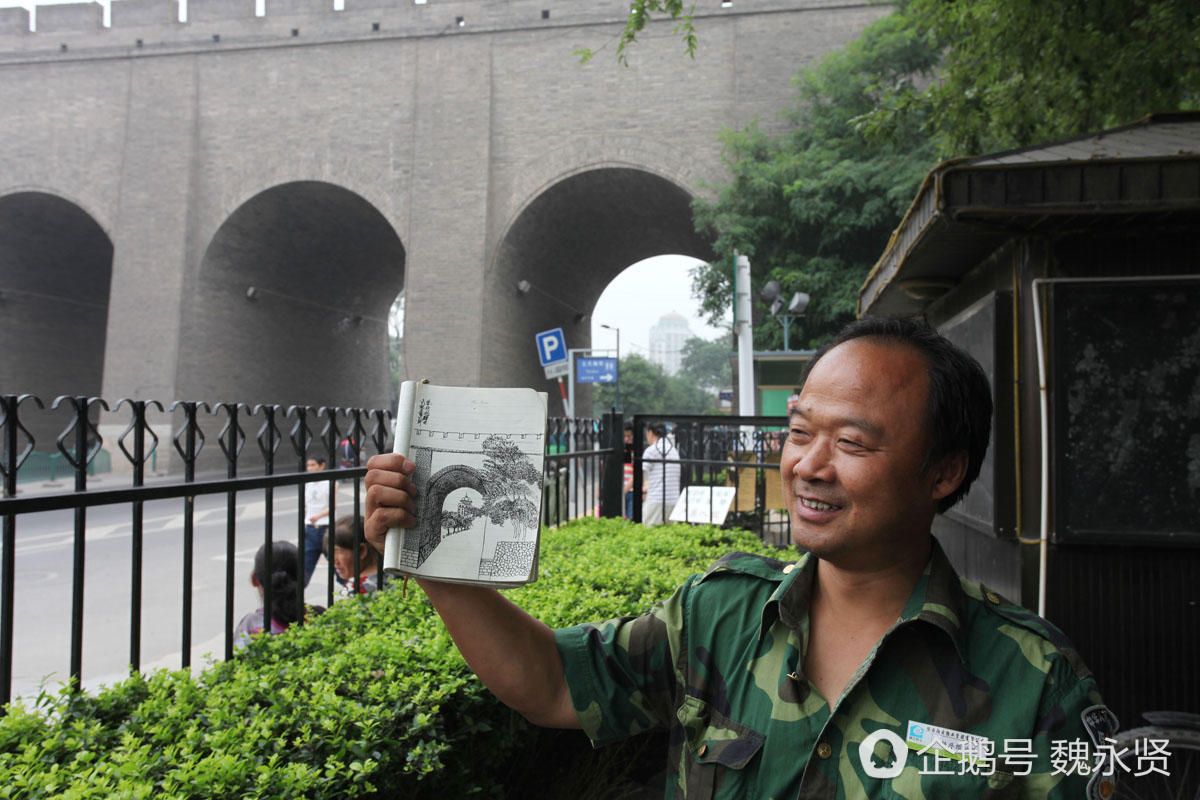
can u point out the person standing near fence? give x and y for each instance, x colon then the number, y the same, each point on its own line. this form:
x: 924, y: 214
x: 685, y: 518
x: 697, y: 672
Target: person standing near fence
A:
x: 660, y: 465
x: 317, y: 510
x: 866, y: 668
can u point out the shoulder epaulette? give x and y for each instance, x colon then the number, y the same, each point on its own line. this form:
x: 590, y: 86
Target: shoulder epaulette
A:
x: 1030, y: 621
x: 748, y: 564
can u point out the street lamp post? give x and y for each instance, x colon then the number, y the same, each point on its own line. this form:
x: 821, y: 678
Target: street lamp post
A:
x: 618, y: 383
x: 796, y: 308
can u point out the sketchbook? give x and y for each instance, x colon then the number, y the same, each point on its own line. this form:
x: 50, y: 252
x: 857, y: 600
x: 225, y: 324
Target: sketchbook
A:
x: 479, y: 455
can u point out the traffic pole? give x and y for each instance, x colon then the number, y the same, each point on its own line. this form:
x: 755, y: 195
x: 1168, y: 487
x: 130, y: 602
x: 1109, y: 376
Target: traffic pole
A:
x: 562, y: 389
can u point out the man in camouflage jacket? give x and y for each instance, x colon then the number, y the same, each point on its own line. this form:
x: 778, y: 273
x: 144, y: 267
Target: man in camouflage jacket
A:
x: 747, y: 723
x: 866, y: 669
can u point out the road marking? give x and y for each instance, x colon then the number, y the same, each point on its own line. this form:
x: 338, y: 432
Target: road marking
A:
x: 239, y: 556
x: 251, y: 511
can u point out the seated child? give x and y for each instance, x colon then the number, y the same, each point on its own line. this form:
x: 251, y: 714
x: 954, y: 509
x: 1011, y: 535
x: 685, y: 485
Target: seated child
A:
x: 287, y: 605
x: 342, y: 538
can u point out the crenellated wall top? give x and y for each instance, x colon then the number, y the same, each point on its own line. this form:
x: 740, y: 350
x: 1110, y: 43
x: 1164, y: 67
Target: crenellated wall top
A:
x: 149, y: 26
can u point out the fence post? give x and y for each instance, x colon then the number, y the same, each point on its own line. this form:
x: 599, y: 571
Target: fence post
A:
x: 10, y: 463
x: 189, y: 441
x: 231, y: 440
x: 612, y: 470
x: 137, y: 459
x: 84, y: 449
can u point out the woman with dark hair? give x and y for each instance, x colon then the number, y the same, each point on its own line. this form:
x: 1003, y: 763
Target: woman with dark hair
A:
x: 284, y: 578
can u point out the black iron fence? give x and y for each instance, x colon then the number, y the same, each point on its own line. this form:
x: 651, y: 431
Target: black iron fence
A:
x: 285, y: 437
x: 717, y: 469
x: 583, y: 469
x: 308, y: 431
x: 586, y: 469
x: 728, y: 472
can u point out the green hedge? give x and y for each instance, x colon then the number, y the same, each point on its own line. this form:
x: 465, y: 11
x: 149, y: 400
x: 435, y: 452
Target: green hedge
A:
x: 369, y: 698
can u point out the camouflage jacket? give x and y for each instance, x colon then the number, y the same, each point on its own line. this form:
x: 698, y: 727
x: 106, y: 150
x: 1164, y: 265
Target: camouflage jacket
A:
x: 720, y: 665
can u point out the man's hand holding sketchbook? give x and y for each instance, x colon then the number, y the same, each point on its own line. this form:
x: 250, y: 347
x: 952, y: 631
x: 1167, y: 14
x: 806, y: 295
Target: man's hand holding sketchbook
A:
x: 478, y: 456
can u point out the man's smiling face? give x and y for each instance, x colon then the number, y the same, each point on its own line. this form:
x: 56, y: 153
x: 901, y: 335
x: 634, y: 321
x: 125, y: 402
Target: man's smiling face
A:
x: 853, y: 467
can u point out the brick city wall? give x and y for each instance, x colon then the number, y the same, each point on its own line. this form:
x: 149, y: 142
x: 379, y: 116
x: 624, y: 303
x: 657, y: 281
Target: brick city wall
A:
x: 328, y: 159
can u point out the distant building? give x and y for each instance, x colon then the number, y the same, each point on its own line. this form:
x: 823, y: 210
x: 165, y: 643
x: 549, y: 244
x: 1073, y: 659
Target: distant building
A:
x: 666, y: 341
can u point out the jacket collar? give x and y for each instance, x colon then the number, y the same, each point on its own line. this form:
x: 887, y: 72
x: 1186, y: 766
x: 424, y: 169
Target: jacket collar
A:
x: 937, y: 599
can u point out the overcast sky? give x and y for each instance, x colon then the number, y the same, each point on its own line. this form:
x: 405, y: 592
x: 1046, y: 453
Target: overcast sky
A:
x: 640, y: 295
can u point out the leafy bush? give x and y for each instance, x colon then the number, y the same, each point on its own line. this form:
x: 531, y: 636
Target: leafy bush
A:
x: 369, y: 698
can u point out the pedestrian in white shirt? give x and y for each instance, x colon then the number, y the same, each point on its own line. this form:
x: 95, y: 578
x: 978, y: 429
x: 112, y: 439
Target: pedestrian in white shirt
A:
x: 660, y: 465
x: 317, y: 509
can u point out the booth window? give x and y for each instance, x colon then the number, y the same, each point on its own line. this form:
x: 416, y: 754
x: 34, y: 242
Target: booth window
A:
x: 1125, y: 387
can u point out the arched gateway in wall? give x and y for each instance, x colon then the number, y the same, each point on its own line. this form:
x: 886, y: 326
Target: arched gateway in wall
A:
x: 570, y: 241
x: 55, y: 273
x: 269, y: 184
x: 291, y: 299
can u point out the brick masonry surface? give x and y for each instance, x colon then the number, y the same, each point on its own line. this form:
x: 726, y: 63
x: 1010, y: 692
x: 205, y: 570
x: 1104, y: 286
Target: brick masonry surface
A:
x: 267, y: 185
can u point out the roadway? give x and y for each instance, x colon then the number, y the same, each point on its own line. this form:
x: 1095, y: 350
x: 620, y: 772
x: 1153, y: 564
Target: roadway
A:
x: 42, y: 585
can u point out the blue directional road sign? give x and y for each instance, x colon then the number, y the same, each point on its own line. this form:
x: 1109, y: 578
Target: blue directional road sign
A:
x: 551, y: 346
x: 596, y: 370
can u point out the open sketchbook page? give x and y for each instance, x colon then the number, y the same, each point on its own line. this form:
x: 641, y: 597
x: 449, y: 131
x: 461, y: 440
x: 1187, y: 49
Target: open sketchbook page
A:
x: 479, y: 455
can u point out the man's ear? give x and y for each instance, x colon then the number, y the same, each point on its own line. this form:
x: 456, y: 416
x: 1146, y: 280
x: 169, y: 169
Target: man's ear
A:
x: 948, y: 474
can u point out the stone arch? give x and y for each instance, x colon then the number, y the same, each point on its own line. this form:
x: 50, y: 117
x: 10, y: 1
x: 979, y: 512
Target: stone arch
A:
x: 55, y: 278
x: 570, y: 242
x: 290, y: 301
x: 600, y: 152
x: 429, y: 530
x: 277, y: 175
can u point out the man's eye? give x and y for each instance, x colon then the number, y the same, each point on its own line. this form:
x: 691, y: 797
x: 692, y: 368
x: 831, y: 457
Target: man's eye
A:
x: 852, y: 444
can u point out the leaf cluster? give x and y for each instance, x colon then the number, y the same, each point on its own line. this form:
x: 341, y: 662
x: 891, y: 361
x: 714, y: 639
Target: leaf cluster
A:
x: 813, y: 206
x: 708, y: 362
x: 647, y: 389
x: 1020, y: 72
x: 506, y: 470
x: 370, y: 698
x: 640, y: 13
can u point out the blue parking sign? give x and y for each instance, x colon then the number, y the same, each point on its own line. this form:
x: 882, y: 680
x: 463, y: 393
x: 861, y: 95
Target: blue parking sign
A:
x: 551, y: 346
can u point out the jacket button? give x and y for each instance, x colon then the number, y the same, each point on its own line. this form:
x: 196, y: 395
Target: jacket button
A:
x: 824, y: 750
x: 993, y: 598
x: 702, y: 751
x: 788, y: 568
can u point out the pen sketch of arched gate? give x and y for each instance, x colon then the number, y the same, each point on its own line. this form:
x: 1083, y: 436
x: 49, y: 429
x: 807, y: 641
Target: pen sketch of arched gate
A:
x: 506, y: 486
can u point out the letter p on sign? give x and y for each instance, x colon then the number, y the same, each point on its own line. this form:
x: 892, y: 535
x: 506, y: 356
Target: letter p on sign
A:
x: 552, y: 346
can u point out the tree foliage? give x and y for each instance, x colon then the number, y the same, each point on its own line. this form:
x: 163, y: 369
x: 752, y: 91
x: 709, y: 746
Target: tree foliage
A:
x: 647, y: 389
x: 814, y: 206
x: 640, y: 13
x: 707, y: 362
x: 1020, y: 72
x: 507, y: 478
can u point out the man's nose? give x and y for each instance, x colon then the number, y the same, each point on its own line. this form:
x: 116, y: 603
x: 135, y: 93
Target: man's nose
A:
x: 815, y: 463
